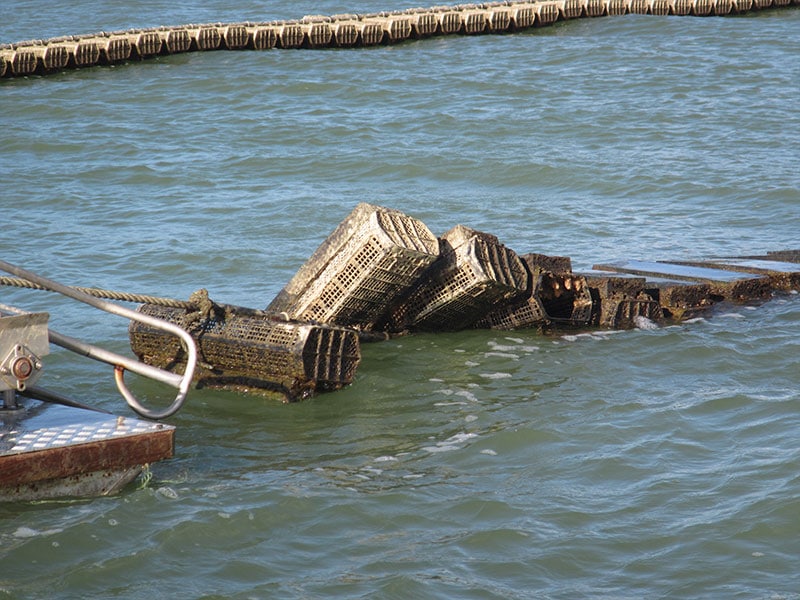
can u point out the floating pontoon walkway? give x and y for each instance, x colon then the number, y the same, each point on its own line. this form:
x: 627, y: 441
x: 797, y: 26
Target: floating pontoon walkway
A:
x: 339, y: 31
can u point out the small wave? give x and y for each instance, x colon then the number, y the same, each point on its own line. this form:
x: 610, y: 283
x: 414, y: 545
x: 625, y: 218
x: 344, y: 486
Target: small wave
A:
x: 644, y: 323
x: 501, y: 355
x: 468, y: 395
x: 30, y: 532
x: 695, y: 320
x: 496, y: 375
x: 452, y: 443
x: 386, y: 459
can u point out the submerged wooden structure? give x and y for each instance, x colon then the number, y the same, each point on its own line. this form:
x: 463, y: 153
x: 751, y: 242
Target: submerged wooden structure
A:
x: 31, y: 57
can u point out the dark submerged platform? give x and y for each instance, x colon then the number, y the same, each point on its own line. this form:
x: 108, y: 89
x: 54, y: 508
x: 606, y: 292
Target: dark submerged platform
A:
x: 734, y: 285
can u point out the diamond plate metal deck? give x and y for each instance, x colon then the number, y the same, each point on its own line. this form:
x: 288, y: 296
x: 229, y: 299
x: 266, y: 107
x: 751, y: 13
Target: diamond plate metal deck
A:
x: 61, y: 426
x: 50, y: 450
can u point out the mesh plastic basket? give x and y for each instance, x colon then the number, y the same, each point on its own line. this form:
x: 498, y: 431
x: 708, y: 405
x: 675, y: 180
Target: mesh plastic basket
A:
x: 618, y: 301
x: 372, y: 258
x: 524, y: 315
x: 245, y: 350
x: 475, y: 275
x: 566, y: 298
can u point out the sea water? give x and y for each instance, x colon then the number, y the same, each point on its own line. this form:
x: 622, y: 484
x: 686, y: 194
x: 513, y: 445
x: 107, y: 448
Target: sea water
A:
x: 649, y: 463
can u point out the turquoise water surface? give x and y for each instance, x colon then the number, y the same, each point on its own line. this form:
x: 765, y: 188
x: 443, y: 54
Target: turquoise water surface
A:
x: 637, y: 464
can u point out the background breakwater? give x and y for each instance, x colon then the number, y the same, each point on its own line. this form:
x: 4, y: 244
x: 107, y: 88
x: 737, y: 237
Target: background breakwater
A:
x: 346, y: 30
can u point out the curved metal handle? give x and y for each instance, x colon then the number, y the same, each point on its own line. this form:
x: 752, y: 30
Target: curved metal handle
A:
x: 177, y: 404
x: 121, y: 363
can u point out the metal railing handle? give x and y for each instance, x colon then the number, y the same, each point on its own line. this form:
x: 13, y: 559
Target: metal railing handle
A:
x: 121, y: 363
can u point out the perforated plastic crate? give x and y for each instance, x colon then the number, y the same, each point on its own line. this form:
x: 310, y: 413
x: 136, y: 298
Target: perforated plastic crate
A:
x: 144, y: 43
x: 246, y: 350
x: 115, y: 49
x: 475, y: 275
x: 373, y: 257
x: 523, y: 315
x: 556, y: 296
x: 424, y: 22
x: 618, y: 300
x: 566, y: 298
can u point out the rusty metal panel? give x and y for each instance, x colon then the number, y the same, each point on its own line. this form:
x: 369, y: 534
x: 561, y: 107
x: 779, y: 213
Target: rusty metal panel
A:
x: 46, y: 443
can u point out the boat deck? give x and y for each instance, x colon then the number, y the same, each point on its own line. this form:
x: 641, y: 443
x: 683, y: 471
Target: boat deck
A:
x: 49, y: 451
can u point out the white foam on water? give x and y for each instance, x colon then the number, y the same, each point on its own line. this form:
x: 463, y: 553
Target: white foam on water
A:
x: 167, y: 492
x: 468, y: 395
x: 387, y: 458
x: 501, y: 355
x: 605, y: 333
x: 506, y: 348
x: 496, y: 375
x: 502, y: 347
x: 644, y: 323
x: 26, y: 532
x: 29, y: 532
x: 454, y: 442
x: 459, y: 438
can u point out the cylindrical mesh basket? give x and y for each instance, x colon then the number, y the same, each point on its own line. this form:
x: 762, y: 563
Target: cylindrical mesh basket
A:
x: 245, y: 350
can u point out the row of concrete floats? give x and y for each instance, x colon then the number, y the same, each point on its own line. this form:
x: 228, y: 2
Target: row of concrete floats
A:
x: 347, y: 30
x: 382, y: 273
